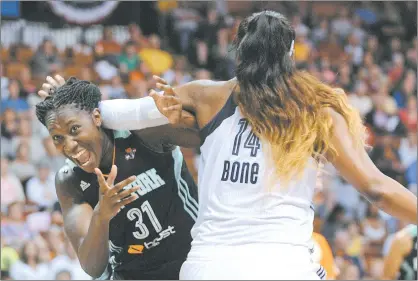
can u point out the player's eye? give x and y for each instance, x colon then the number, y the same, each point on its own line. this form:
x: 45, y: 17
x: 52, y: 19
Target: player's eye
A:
x: 57, y: 138
x: 74, y: 129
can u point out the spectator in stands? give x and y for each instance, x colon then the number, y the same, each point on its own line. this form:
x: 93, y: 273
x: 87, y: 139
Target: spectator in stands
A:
x: 406, y: 88
x: 4, y: 83
x: 321, y: 32
x: 14, y: 228
x: 350, y: 272
x: 397, y: 70
x: 354, y: 50
x: 9, y: 128
x: 83, y: 48
x: 86, y: 74
x: 115, y: 90
x: 136, y: 36
x: 55, y: 241
x: 412, y: 54
x: 374, y: 231
x: 63, y: 275
x: 46, y: 60
x: 374, y: 48
x: 342, y: 25
x: 302, y: 50
x: 22, y: 167
x: 157, y: 60
x: 14, y: 101
x: 41, y: 188
x: 26, y: 82
x: 25, y: 134
x: 336, y: 219
x: 11, y: 188
x: 207, y: 37
x: 8, y: 257
x: 108, y: 43
x: 129, y: 59
x: 68, y: 262
x: 408, y: 156
x: 180, y: 66
x: 202, y: 74
x: 327, y: 74
x: 43, y: 247
x: 331, y: 48
x: 360, y: 99
x: 409, y: 115
x: 358, y: 30
x: 386, y: 156
x: 29, y: 266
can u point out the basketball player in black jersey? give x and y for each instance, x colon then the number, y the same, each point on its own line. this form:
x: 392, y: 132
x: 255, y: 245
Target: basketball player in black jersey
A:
x: 401, y: 261
x: 140, y: 226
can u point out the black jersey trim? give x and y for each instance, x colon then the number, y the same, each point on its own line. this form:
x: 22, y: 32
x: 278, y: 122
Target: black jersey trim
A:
x: 227, y: 111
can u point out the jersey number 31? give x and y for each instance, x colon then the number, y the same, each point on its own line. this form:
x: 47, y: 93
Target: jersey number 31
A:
x: 136, y: 214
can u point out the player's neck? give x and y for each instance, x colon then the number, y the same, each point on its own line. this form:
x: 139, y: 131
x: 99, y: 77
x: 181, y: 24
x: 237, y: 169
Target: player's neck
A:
x: 107, y: 155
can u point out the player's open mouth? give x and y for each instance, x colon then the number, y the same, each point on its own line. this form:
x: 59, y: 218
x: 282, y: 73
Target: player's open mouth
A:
x: 82, y: 158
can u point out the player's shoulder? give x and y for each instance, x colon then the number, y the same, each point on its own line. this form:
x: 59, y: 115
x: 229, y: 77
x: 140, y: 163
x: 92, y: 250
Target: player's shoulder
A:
x: 66, y: 177
x: 210, y: 88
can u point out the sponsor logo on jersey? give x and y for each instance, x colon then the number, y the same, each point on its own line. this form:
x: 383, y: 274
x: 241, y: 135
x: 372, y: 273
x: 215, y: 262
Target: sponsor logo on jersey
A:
x: 162, y: 235
x: 84, y: 185
x: 135, y: 249
x: 139, y: 249
x: 147, y: 182
x: 130, y: 153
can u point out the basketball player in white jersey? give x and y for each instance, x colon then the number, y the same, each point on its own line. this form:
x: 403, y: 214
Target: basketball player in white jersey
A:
x: 262, y: 135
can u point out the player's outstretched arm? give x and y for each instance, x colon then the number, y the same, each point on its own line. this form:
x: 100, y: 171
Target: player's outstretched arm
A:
x: 88, y: 229
x: 358, y: 169
x: 162, y: 115
x: 400, y: 246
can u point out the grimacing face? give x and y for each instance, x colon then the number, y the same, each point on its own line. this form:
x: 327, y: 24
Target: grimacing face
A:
x: 76, y: 135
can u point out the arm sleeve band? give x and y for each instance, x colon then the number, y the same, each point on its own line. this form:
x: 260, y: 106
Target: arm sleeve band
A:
x: 127, y: 114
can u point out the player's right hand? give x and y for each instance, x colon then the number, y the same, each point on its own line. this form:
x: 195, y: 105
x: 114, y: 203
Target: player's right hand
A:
x: 51, y: 85
x: 112, y: 197
x: 167, y: 103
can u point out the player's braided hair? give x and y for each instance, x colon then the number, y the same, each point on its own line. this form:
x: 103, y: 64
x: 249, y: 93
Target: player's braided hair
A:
x: 83, y: 94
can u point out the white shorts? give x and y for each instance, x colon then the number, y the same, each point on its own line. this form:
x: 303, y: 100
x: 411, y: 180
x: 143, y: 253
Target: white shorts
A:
x: 265, y: 262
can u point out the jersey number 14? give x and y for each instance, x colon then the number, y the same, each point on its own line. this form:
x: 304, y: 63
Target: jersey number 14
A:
x: 252, y: 142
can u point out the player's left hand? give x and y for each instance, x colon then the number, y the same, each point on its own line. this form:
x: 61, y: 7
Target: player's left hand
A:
x: 167, y: 103
x: 51, y: 85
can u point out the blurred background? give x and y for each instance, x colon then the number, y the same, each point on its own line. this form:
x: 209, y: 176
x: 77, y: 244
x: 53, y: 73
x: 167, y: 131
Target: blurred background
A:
x: 367, y: 48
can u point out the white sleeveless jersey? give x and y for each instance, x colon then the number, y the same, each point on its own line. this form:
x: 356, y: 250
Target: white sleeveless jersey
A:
x: 236, y: 206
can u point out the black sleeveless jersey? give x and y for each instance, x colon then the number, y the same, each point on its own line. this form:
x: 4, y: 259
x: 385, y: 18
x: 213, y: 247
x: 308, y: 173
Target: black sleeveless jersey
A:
x: 408, y: 270
x: 150, y: 237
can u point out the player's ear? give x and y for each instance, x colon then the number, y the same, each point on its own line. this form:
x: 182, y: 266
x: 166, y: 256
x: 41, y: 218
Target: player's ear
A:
x: 97, y: 117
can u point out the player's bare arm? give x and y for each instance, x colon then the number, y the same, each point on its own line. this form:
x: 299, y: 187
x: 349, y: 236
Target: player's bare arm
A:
x: 142, y: 116
x: 88, y: 229
x: 203, y: 98
x: 357, y: 168
x: 186, y: 108
x: 399, y: 248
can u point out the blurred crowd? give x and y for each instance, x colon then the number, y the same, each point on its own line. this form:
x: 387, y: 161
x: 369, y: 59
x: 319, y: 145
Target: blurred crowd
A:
x: 369, y: 49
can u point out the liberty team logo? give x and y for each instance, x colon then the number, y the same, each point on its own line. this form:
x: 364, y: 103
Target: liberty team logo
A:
x: 130, y: 153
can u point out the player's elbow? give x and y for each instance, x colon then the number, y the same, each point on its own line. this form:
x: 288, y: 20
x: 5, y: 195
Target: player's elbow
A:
x: 91, y: 266
x: 374, y: 189
x: 93, y: 270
